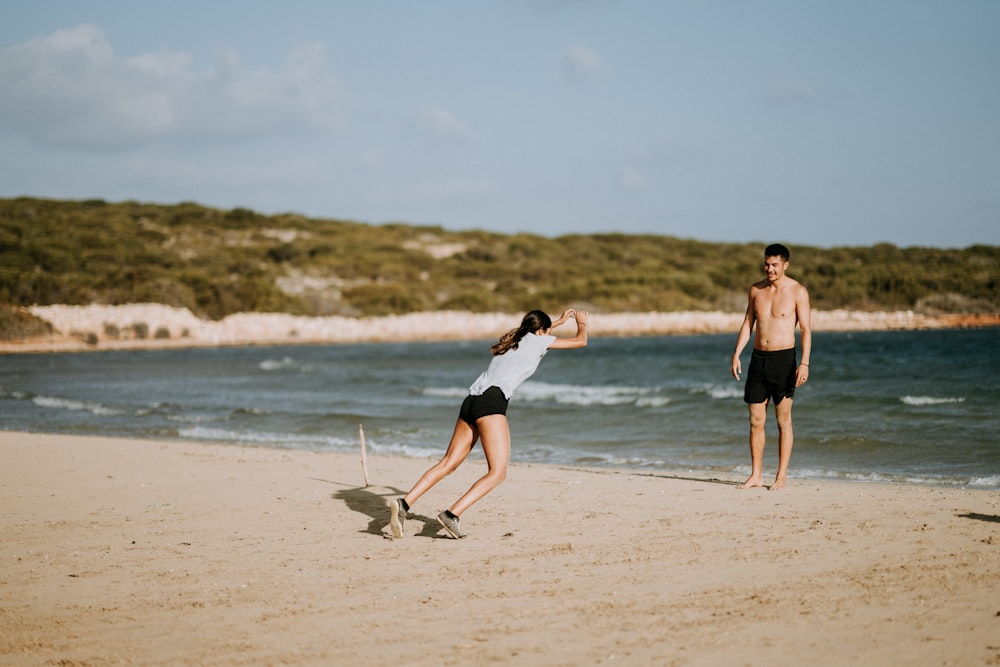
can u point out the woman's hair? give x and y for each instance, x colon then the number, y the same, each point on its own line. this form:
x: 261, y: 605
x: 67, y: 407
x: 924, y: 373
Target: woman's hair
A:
x: 531, y: 323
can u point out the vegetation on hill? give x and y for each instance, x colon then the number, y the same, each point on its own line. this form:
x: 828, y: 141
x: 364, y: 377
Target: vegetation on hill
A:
x: 219, y: 262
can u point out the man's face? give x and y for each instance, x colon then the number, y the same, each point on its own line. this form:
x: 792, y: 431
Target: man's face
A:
x: 774, y: 267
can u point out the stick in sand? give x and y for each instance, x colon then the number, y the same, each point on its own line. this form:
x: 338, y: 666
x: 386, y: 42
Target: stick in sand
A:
x: 364, y: 457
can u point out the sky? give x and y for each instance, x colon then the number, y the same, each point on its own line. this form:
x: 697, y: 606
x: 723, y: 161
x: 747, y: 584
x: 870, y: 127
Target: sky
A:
x: 820, y: 123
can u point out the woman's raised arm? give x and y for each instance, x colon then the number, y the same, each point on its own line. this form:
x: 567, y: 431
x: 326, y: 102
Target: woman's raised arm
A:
x: 577, y: 341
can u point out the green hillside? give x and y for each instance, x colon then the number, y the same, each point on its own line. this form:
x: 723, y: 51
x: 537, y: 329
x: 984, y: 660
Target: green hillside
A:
x: 219, y: 262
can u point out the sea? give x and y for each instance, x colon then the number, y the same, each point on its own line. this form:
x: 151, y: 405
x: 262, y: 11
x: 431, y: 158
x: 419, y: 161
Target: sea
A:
x: 913, y: 407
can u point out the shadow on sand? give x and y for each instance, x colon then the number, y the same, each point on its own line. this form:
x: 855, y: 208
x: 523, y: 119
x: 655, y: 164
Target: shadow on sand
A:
x: 991, y: 518
x: 375, y: 505
x: 705, y: 480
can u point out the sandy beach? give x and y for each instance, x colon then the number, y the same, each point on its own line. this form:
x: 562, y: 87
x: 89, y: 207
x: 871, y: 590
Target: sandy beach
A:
x: 150, y: 325
x: 120, y: 551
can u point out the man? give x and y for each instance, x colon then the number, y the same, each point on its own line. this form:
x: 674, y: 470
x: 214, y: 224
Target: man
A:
x: 776, y: 305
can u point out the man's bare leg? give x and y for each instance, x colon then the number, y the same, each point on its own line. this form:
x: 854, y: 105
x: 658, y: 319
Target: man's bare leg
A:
x: 783, y: 413
x: 758, y: 417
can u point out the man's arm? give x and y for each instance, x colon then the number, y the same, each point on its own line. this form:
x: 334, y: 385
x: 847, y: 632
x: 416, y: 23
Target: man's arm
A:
x: 804, y: 316
x: 735, y: 367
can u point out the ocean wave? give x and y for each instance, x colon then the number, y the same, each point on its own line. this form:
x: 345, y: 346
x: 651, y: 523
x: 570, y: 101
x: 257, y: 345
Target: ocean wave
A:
x: 446, y: 392
x: 252, y: 411
x: 218, y: 416
x: 69, y: 404
x: 571, y: 394
x: 291, y: 440
x: 13, y: 394
x: 411, y: 451
x: 277, y: 364
x: 307, y: 442
x: 929, y: 400
x: 652, y: 401
x: 992, y: 481
x: 719, y: 391
x: 195, y: 419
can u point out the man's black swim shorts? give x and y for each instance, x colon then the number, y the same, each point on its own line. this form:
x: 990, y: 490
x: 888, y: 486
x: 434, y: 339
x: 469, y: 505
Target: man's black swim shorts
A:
x: 771, y: 375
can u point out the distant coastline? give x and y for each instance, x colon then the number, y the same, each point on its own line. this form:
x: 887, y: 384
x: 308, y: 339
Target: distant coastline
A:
x: 151, y: 326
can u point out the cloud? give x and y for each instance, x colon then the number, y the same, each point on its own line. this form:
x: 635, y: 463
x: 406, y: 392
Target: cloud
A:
x: 440, y: 123
x: 580, y: 62
x: 69, y: 90
x: 633, y: 179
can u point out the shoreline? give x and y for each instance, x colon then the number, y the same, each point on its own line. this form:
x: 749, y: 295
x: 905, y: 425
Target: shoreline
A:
x: 155, y: 326
x: 149, y: 552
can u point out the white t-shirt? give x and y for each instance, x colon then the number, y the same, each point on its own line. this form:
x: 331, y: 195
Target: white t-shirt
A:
x: 513, y: 367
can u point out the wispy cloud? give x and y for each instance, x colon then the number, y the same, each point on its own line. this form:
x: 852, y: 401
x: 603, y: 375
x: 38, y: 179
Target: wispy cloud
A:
x: 440, y: 123
x: 581, y: 62
x: 633, y: 179
x: 69, y: 89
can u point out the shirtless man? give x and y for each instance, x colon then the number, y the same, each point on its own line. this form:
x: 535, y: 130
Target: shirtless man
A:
x: 776, y: 305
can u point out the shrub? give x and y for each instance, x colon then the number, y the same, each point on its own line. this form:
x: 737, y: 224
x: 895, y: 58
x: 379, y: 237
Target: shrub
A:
x: 19, y: 324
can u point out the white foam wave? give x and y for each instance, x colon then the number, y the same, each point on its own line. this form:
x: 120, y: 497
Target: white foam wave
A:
x: 412, y: 451
x: 652, y: 401
x: 193, y: 419
x: 296, y: 441
x: 929, y: 400
x: 309, y: 442
x: 570, y: 394
x: 992, y: 481
x: 720, y: 391
x: 67, y: 404
x: 446, y: 392
x: 277, y: 364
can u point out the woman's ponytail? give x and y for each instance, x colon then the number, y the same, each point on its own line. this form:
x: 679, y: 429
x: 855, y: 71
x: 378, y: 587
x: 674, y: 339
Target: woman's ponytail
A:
x: 534, y: 321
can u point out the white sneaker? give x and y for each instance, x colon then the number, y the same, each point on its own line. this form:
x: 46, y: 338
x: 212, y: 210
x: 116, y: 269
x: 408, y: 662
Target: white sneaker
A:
x: 397, y: 515
x: 450, y: 526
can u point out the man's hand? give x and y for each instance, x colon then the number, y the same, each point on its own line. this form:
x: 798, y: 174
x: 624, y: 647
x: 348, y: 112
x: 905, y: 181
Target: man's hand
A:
x: 801, y: 374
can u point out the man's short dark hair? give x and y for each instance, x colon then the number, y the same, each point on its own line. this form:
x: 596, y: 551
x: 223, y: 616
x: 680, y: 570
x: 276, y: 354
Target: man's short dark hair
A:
x: 777, y: 250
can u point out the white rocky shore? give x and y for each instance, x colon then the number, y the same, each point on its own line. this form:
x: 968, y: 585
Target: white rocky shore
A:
x: 147, y: 325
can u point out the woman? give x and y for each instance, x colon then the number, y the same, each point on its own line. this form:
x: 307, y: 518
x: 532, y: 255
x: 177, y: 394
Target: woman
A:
x: 483, y: 415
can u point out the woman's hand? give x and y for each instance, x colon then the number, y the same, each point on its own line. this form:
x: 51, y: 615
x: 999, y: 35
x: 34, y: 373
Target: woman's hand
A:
x: 567, y: 314
x: 580, y: 339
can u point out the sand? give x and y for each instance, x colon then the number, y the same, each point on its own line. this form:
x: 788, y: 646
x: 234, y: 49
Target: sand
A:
x: 149, y: 325
x: 119, y: 551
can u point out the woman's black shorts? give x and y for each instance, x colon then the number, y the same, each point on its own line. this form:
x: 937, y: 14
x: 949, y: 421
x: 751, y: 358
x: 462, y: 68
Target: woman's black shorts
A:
x: 490, y: 402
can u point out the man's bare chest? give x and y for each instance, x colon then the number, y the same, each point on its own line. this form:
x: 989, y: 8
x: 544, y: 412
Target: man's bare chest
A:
x: 775, y: 306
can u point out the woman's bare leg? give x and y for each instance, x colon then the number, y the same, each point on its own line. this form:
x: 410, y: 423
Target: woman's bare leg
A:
x: 494, y: 431
x: 462, y: 441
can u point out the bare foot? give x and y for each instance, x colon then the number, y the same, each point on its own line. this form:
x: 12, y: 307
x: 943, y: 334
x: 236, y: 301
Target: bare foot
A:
x: 751, y: 483
x: 778, y: 485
